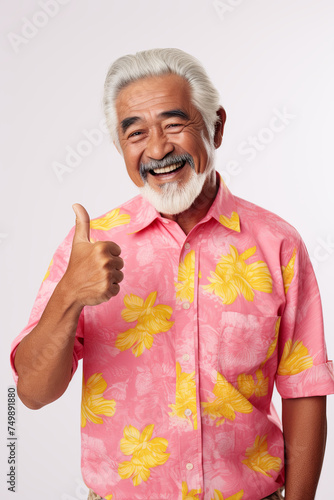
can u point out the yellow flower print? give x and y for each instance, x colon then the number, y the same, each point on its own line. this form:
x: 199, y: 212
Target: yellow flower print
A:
x: 259, y: 459
x: 108, y: 497
x: 146, y: 313
x: 227, y: 402
x: 48, y: 270
x: 146, y: 453
x: 234, y: 277
x: 186, y: 278
x: 248, y: 387
x: 110, y: 220
x: 295, y: 358
x: 232, y: 223
x: 93, y: 402
x: 150, y: 319
x: 189, y: 495
x: 273, y: 344
x: 137, y: 337
x: 185, y: 396
x: 288, y: 271
x: 219, y: 496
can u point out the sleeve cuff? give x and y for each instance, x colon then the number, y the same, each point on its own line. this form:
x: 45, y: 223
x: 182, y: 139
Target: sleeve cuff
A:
x: 315, y: 381
x: 14, y: 345
x: 12, y: 357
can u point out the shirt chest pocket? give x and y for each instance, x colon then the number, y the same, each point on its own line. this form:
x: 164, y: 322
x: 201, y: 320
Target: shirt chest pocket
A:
x: 246, y: 343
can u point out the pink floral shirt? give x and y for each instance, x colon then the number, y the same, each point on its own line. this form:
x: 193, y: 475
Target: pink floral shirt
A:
x: 179, y: 367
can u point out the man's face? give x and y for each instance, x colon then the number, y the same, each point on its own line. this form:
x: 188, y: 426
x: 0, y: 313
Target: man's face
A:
x: 162, y: 135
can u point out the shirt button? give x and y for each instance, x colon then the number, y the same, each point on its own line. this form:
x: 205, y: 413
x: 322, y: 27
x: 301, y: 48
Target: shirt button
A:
x: 187, y: 246
x: 185, y: 305
x: 189, y: 466
x: 185, y: 357
x: 188, y: 412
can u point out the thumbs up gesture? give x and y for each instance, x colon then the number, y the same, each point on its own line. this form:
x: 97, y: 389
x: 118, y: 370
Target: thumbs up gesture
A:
x: 94, y: 269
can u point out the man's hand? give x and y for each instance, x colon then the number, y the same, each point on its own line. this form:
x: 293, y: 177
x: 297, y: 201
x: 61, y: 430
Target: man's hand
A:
x: 94, y: 269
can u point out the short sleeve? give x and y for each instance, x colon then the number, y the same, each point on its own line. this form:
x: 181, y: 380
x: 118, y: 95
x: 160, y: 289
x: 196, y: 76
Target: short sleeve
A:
x: 303, y: 367
x: 53, y: 275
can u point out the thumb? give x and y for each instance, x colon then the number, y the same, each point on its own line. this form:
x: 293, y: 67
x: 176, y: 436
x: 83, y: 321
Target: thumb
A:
x: 82, y: 224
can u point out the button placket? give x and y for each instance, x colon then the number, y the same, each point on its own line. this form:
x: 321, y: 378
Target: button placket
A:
x: 190, y: 449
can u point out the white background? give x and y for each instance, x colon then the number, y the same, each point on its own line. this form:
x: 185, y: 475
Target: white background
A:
x: 262, y: 55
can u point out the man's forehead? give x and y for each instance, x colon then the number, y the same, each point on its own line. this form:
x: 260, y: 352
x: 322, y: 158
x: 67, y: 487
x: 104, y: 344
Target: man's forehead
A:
x: 151, y: 91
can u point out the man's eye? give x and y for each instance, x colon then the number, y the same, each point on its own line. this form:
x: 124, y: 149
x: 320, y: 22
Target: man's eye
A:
x: 133, y: 134
x: 174, y: 125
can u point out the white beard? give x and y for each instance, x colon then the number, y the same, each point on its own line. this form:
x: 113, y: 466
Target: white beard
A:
x: 172, y: 198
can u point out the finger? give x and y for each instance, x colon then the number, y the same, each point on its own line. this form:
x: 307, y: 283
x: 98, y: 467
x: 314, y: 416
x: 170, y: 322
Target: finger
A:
x: 113, y: 248
x: 117, y: 276
x: 114, y: 289
x: 82, y: 224
x: 118, y: 263
x: 114, y: 263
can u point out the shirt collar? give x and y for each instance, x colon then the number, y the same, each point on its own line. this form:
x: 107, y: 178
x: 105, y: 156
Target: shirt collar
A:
x: 223, y: 209
x: 144, y: 215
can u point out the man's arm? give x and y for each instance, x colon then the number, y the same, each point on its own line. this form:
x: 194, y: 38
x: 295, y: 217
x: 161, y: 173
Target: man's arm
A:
x: 43, y: 359
x: 305, y: 432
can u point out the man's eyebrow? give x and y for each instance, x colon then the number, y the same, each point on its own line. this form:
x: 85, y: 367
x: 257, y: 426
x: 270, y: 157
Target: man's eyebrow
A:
x: 127, y: 122
x: 174, y: 113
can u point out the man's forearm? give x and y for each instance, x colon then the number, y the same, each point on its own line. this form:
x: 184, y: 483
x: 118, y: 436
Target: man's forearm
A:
x: 305, y: 430
x: 43, y: 359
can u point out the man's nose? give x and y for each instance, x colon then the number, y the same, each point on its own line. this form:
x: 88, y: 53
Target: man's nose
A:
x: 158, y: 145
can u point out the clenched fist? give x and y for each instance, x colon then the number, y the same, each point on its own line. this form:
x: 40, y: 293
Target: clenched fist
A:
x: 94, y: 269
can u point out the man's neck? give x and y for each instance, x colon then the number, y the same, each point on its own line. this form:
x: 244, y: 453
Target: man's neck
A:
x: 190, y: 217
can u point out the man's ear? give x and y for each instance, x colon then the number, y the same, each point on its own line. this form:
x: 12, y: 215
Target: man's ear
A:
x: 219, y: 127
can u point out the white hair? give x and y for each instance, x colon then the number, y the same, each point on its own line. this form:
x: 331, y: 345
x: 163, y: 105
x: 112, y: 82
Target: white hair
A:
x: 157, y: 62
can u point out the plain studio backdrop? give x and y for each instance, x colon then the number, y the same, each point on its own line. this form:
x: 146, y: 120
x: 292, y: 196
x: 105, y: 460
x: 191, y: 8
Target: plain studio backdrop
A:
x: 267, y: 59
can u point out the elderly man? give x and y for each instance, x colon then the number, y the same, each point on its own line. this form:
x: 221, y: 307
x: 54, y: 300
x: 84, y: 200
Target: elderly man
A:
x: 217, y: 302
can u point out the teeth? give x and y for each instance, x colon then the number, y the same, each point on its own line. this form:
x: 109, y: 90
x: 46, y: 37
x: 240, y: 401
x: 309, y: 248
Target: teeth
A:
x: 170, y: 168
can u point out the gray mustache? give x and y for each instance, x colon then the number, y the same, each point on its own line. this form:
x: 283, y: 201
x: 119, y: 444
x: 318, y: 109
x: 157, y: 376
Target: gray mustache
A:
x: 165, y: 162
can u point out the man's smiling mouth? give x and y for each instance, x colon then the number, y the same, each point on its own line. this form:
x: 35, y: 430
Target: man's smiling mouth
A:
x: 167, y: 166
x: 170, y: 168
